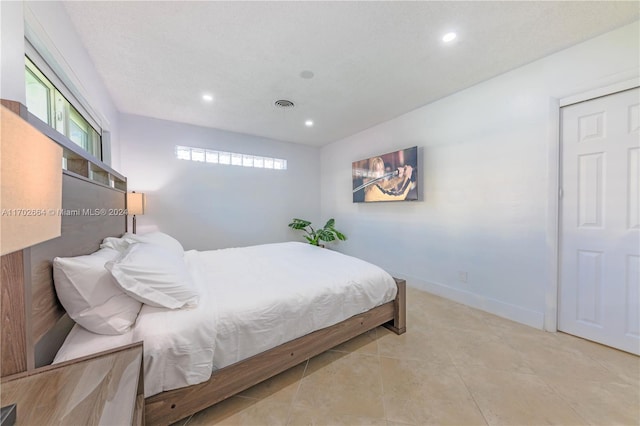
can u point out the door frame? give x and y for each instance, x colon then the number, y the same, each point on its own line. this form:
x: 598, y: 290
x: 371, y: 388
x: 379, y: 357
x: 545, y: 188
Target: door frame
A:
x: 554, y: 191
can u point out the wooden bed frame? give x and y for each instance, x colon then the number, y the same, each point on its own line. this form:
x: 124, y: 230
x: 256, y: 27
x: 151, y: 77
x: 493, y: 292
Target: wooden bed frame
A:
x: 34, y: 324
x: 170, y: 406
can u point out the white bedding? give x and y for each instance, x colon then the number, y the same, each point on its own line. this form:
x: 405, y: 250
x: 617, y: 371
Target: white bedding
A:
x: 252, y: 299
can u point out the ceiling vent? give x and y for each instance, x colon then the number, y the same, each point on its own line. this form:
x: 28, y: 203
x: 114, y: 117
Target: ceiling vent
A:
x: 283, y: 103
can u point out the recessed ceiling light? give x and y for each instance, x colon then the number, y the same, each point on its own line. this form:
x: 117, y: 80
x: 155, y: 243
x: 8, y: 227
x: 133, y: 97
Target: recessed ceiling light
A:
x: 207, y: 97
x: 448, y: 37
x: 308, y: 123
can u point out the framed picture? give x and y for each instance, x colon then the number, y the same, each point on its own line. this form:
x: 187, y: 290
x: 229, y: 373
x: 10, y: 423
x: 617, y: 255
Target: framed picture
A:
x: 387, y: 177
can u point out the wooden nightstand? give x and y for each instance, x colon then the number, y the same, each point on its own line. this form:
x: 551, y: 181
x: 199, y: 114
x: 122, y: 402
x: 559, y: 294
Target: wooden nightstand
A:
x: 102, y: 389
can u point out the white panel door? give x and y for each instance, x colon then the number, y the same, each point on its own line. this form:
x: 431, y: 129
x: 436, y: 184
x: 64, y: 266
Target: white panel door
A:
x: 600, y: 221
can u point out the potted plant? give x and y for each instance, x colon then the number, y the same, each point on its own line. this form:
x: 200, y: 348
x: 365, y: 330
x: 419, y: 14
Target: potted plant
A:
x: 314, y: 236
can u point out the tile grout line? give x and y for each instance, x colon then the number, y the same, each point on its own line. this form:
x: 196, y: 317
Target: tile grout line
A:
x: 295, y: 395
x: 384, y: 405
x: 534, y: 373
x: 602, y: 364
x: 559, y: 397
x: 466, y: 386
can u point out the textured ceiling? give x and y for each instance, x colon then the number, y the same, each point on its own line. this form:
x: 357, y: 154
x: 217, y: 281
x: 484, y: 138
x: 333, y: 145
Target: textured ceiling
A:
x: 372, y: 61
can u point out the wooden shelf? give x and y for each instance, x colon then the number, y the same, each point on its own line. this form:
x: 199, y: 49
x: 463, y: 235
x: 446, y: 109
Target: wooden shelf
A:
x: 74, y: 159
x: 77, y: 160
x: 99, y: 175
x: 75, y: 163
x: 118, y: 183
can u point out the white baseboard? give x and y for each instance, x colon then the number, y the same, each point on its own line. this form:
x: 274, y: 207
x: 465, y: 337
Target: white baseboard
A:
x: 505, y: 310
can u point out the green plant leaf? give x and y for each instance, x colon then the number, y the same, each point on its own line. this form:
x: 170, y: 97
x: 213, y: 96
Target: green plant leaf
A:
x: 340, y: 235
x: 299, y: 224
x: 330, y: 223
x: 326, y: 235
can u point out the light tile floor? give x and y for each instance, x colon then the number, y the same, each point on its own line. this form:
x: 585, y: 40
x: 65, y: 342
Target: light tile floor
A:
x: 454, y: 366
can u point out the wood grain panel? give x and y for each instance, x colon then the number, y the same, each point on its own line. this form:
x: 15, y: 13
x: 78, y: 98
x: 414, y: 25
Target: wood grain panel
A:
x: 399, y: 323
x: 138, y: 413
x: 101, y: 389
x: 84, y: 226
x: 13, y: 344
x: 170, y: 406
x: 15, y: 107
x: 16, y: 323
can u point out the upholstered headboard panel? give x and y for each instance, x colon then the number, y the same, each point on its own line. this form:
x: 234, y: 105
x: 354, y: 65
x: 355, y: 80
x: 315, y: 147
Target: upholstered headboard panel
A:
x: 86, y: 221
x: 34, y: 324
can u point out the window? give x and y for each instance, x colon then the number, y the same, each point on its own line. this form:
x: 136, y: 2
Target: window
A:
x: 211, y: 156
x: 236, y: 159
x: 225, y: 157
x: 183, y: 153
x: 39, y: 95
x: 229, y: 158
x: 197, y: 154
x: 279, y: 164
x: 49, y: 105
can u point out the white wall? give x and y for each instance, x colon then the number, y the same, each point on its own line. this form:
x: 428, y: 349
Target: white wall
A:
x: 49, y: 28
x: 485, y: 178
x: 12, y: 85
x: 209, y: 206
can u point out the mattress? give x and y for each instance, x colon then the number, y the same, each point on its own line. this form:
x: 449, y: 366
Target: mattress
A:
x: 252, y: 299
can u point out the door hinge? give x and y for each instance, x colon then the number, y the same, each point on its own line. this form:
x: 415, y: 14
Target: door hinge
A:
x: 560, y: 193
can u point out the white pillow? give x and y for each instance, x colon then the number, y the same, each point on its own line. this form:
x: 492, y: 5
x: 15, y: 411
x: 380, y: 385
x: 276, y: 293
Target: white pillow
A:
x: 114, y: 243
x: 91, y: 296
x: 158, y: 238
x: 155, y: 276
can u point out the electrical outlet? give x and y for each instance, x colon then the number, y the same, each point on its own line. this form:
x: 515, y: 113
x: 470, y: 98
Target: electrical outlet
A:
x: 462, y: 276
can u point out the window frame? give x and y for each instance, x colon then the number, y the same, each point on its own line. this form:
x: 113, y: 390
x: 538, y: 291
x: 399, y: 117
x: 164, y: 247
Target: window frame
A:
x: 60, y: 116
x: 37, y: 75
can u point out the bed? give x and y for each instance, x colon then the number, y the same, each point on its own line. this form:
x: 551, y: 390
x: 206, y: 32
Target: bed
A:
x: 249, y: 300
x: 38, y: 331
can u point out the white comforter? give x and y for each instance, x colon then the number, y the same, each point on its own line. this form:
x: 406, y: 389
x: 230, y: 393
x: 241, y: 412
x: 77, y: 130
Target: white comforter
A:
x: 252, y: 299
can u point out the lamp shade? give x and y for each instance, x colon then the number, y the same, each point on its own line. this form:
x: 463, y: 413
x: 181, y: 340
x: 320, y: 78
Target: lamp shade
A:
x: 135, y: 203
x: 30, y: 184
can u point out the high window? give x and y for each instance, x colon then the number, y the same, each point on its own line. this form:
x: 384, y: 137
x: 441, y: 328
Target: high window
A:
x: 46, y: 102
x: 229, y: 158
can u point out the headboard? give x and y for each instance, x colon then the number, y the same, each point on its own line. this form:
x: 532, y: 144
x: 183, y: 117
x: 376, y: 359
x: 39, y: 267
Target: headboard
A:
x: 34, y: 324
x: 81, y: 234
x: 45, y: 323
